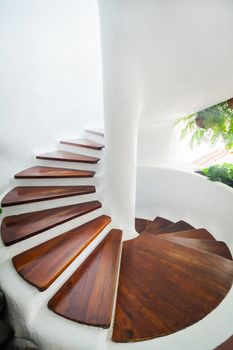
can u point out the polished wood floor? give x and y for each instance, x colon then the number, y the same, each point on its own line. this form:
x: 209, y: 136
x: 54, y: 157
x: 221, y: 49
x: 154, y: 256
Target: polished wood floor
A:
x: 32, y: 194
x: 88, y: 295
x: 65, y: 156
x: 41, y: 265
x: 45, y: 172
x: 85, y: 143
x: 166, y: 285
x: 227, y: 345
x: 19, y: 227
x: 171, y: 276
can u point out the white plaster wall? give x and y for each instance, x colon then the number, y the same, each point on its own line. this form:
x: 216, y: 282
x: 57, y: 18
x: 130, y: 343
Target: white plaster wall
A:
x: 181, y: 195
x: 177, y: 57
x: 121, y: 110
x: 50, y: 77
x: 155, y: 144
x: 161, y: 60
x: 185, y: 52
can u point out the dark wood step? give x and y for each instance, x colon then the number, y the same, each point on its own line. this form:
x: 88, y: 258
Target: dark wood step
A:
x: 19, y: 227
x: 200, y: 233
x: 41, y: 265
x: 227, y: 345
x: 165, y: 287
x: 141, y: 224
x: 45, y: 172
x: 95, y: 131
x: 68, y: 157
x: 31, y: 194
x: 207, y: 245
x: 84, y: 143
x: 88, y: 295
x: 158, y: 224
x: 178, y: 226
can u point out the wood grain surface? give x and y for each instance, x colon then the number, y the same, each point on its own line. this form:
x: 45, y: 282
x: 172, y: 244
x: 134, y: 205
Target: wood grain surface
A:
x: 84, y: 143
x: 88, y: 295
x: 45, y: 172
x: 19, y: 227
x: 68, y: 157
x: 171, y: 227
x: 158, y: 224
x: 207, y: 245
x: 41, y: 265
x: 165, y: 287
x: 227, y: 345
x: 141, y: 224
x: 31, y: 194
x: 200, y: 233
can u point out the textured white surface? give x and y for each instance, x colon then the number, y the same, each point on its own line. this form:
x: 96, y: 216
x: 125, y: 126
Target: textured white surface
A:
x: 28, y: 310
x: 179, y: 195
x: 51, y: 84
x: 204, y: 335
x: 162, y: 60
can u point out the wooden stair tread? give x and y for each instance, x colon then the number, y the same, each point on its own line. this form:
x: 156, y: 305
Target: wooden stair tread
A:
x: 158, y: 224
x: 65, y: 156
x: 141, y: 224
x: 227, y: 345
x: 19, y: 227
x: 44, y: 172
x: 31, y: 194
x: 200, y: 233
x: 99, y: 132
x: 41, y: 265
x: 210, y: 246
x: 88, y: 295
x: 84, y: 143
x: 177, y: 226
x: 165, y: 287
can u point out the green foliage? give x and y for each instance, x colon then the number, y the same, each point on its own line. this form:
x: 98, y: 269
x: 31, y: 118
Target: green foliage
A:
x: 0, y: 210
x: 217, y: 125
x: 222, y: 173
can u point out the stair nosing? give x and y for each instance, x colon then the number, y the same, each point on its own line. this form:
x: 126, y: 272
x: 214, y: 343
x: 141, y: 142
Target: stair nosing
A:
x: 46, y: 156
x: 90, y: 175
x: 42, y: 199
x: 175, y: 240
x: 75, y: 256
x: 35, y: 232
x: 95, y: 132
x: 98, y: 146
x: 80, y: 268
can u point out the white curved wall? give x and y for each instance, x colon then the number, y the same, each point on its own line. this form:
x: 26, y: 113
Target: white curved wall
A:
x: 176, y: 195
x: 184, y: 50
x: 179, y: 195
x: 165, y: 59
x: 51, y: 83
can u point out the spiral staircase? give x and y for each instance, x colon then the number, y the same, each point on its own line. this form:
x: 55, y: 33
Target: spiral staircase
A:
x: 61, y: 250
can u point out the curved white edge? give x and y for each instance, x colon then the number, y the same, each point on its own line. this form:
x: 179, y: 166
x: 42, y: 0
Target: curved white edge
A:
x: 82, y: 150
x: 180, y: 195
x: 85, y: 181
x: 206, y: 334
x: 70, y: 165
x: 52, y: 332
x: 25, y: 301
x: 17, y: 248
x: 49, y: 204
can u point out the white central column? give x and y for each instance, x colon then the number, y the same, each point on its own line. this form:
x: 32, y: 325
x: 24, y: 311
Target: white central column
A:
x: 121, y: 111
